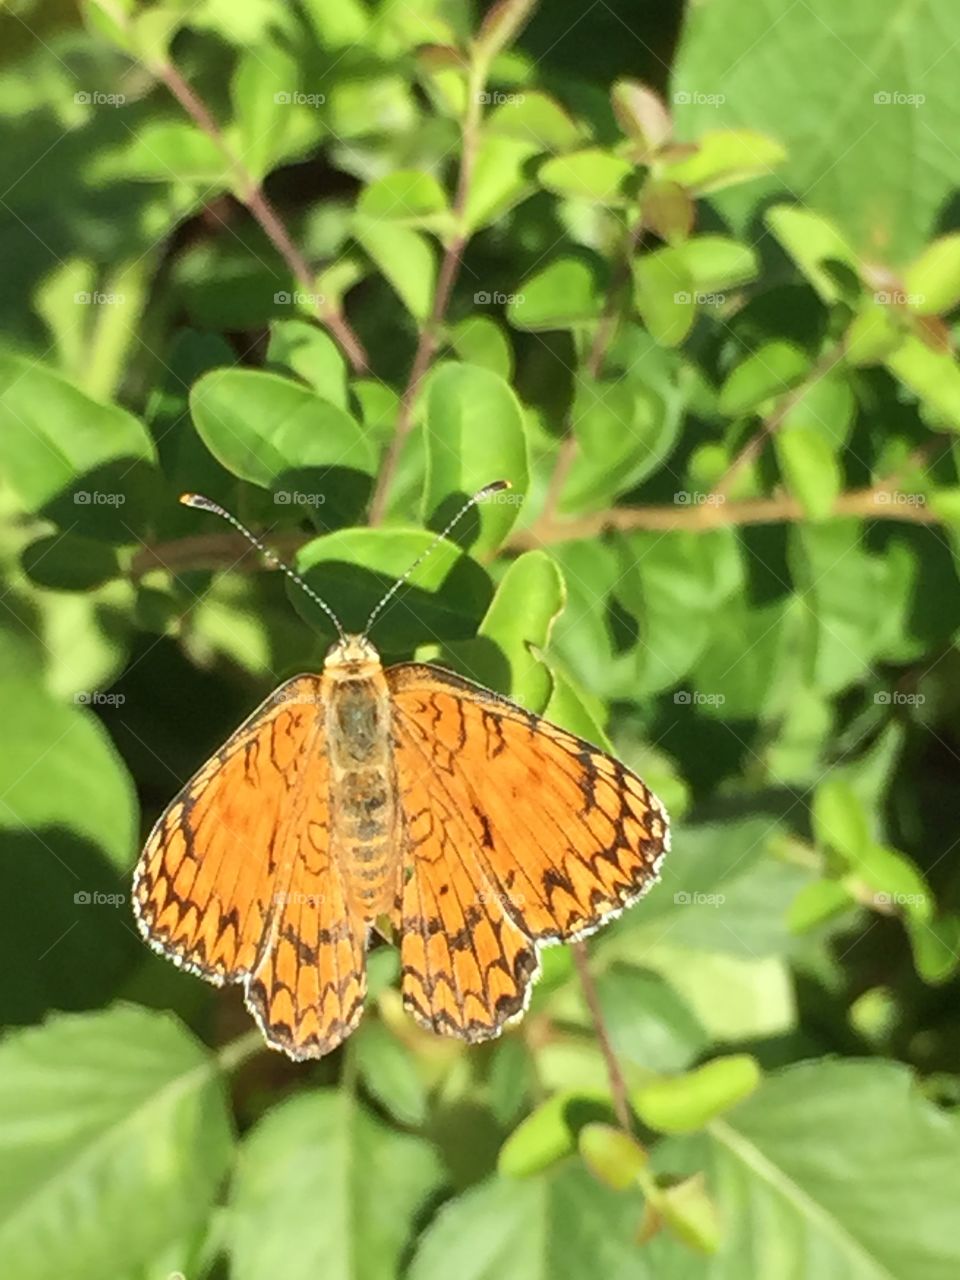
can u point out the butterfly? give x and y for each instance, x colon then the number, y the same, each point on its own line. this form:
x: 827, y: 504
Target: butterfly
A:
x: 408, y: 801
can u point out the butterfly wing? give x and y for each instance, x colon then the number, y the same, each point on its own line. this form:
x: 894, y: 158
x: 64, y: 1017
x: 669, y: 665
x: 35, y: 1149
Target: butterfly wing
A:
x: 237, y: 883
x: 517, y: 833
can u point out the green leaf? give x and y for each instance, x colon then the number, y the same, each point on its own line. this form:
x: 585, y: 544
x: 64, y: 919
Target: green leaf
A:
x: 649, y: 1023
x: 611, y: 1155
x: 591, y: 174
x: 352, y: 570
x: 312, y: 354
x: 69, y: 562
x: 933, y: 280
x: 564, y: 1225
x: 874, y: 334
x: 686, y: 1103
x: 263, y: 91
x: 810, y: 468
x: 641, y: 114
x: 175, y: 151
x: 715, y: 263
x: 934, y: 376
x: 817, y: 247
x: 406, y: 259
x: 537, y: 118
x: 406, y: 197
x: 101, y: 1116
x: 840, y: 821
x: 282, y: 436
x: 775, y: 367
x: 389, y: 1072
x: 566, y: 293
x: 527, y: 601
x: 723, y: 158
x: 479, y: 340
x: 87, y: 466
x: 550, y: 1131
x: 500, y: 178
x: 474, y: 435
x: 70, y: 824
x: 501, y: 25
x: 882, y: 101
x: 352, y: 1213
x: 665, y: 296
x: 798, y: 1162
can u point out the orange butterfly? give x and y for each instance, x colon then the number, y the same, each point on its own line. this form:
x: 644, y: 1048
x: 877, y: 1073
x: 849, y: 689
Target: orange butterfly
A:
x: 477, y: 829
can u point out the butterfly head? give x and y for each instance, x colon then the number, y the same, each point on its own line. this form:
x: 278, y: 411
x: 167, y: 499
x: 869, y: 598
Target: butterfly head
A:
x: 353, y: 653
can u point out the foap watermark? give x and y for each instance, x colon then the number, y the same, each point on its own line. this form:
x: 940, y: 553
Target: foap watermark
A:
x: 96, y: 498
x: 297, y: 99
x: 486, y: 896
x: 497, y: 299
x: 683, y: 298
x: 94, y: 898
x: 693, y: 698
x: 293, y: 899
x: 293, y: 498
x: 900, y: 900
x: 684, y: 899
x: 894, y: 698
x: 898, y: 298
x: 896, y: 98
x: 97, y: 299
x: 693, y: 498
x: 494, y: 98
x: 93, y: 698
x: 895, y: 498
x: 692, y: 97
x: 95, y: 98
x: 298, y: 299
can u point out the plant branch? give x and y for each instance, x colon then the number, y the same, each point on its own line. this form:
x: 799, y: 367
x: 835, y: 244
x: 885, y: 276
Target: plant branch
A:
x: 602, y: 337
x: 755, y: 445
x: 618, y: 1088
x: 250, y: 192
x: 877, y: 503
x: 432, y: 330
x: 882, y: 502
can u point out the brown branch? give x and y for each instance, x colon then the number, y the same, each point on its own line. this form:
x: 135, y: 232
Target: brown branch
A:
x: 618, y: 1088
x: 252, y: 195
x: 431, y: 332
x: 715, y: 512
x: 602, y: 337
x: 755, y: 445
x: 225, y: 550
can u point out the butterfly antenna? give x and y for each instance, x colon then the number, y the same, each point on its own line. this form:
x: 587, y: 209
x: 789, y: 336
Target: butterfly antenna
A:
x: 498, y: 486
x: 201, y: 503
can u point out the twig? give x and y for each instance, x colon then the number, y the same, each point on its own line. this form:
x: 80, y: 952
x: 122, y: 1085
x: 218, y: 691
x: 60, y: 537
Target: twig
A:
x: 618, y: 1088
x: 213, y: 551
x: 431, y: 332
x: 252, y: 195
x: 602, y: 337
x: 755, y: 445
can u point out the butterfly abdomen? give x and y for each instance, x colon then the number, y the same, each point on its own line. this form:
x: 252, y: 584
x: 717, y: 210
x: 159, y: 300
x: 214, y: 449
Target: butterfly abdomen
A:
x: 362, y: 787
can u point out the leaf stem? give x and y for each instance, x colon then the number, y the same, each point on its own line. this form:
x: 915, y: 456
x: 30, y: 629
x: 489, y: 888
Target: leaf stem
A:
x: 238, y: 1051
x: 618, y: 1087
x: 431, y: 333
x: 603, y: 335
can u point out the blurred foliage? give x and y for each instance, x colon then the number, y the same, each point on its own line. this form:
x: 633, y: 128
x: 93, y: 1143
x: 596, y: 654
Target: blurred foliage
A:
x: 692, y: 288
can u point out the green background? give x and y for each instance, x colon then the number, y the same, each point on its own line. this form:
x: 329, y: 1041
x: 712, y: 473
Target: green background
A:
x: 688, y: 280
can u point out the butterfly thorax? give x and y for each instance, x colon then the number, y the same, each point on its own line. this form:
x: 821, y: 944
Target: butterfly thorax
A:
x: 362, y: 782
